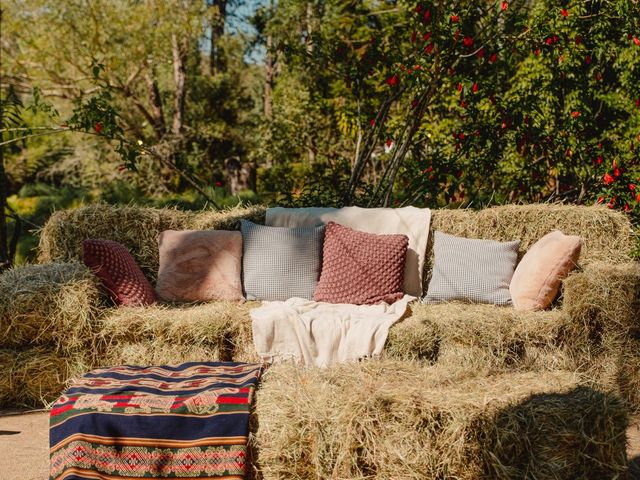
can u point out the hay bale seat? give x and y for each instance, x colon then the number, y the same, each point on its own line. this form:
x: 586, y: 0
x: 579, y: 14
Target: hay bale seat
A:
x: 63, y: 309
x: 394, y: 419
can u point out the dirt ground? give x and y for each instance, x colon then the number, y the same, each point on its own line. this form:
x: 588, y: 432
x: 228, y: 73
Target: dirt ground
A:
x: 24, y: 446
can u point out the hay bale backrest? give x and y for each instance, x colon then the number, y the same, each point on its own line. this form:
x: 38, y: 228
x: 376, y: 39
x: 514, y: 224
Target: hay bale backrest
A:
x: 607, y: 234
x: 137, y: 228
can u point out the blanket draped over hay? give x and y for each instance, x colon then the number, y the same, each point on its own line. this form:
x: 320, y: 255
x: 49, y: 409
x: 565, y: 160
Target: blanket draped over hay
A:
x: 187, y: 421
x: 320, y: 333
x: 393, y: 419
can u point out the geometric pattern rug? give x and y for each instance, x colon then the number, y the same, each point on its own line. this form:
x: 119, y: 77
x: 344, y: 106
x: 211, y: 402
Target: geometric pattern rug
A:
x: 129, y: 422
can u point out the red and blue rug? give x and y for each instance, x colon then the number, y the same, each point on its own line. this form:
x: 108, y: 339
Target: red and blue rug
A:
x: 185, y: 421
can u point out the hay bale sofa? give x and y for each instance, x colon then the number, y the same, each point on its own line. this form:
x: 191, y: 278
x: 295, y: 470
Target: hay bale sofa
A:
x: 463, y: 391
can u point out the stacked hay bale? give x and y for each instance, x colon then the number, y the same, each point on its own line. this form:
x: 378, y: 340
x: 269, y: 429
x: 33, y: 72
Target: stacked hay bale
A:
x: 48, y: 321
x: 160, y: 335
x: 394, y: 419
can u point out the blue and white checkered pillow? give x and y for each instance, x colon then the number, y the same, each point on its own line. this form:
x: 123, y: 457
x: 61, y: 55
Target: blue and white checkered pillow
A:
x: 280, y: 263
x: 477, y: 271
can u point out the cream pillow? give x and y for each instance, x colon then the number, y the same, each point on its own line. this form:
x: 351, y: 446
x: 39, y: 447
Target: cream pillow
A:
x: 198, y: 266
x: 538, y: 276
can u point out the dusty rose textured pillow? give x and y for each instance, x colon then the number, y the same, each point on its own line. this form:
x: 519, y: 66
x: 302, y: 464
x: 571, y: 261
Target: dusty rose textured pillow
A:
x: 538, y: 276
x: 116, y: 268
x: 199, y: 265
x: 361, y: 268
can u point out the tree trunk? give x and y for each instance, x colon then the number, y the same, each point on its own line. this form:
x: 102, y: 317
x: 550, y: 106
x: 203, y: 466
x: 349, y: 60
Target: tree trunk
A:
x: 309, y: 26
x: 157, y: 114
x: 179, y: 48
x: 268, y: 82
x: 217, y: 30
x: 5, y: 260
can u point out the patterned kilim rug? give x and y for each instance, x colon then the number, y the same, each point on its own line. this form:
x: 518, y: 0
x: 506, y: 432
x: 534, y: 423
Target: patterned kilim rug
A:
x: 185, y: 421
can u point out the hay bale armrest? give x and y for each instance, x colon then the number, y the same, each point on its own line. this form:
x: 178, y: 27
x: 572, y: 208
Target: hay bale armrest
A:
x: 398, y: 419
x: 55, y: 304
x: 603, y: 300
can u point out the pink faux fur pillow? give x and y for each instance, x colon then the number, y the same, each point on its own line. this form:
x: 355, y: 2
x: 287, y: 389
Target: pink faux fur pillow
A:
x: 537, y: 278
x: 199, y: 265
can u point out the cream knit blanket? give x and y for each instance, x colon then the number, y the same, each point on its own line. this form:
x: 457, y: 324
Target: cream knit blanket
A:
x: 321, y: 334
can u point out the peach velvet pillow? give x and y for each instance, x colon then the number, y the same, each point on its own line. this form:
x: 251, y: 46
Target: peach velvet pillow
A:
x: 199, y: 265
x: 537, y: 278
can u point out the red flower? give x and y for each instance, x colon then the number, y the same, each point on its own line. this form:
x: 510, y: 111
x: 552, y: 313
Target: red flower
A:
x: 98, y: 127
x: 426, y: 36
x: 504, y: 6
x: 608, y: 179
x: 468, y: 41
x: 389, y: 142
x: 414, y: 37
x: 578, y: 39
x: 637, y: 102
x: 598, y: 76
x: 456, y: 35
x: 611, y: 204
x: 575, y: 114
x: 463, y: 104
x: 638, y: 198
x: 392, y: 81
x: 474, y: 88
x: 627, y: 208
x: 481, y: 53
x: 636, y: 41
x: 549, y: 41
x: 600, y: 199
x: 616, y: 172
x: 455, y: 18
x: 493, y: 58
x: 536, y: 52
x: 587, y: 59
x: 427, y: 16
x: 564, y: 12
x: 372, y: 122
x: 632, y: 187
x: 459, y: 87
x: 218, y: 184
x: 461, y: 136
x: 599, y: 159
x: 418, y: 8
x: 428, y: 49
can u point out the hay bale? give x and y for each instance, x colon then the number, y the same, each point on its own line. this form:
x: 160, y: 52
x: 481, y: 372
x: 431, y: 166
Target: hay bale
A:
x: 606, y: 233
x: 402, y: 420
x: 617, y: 370
x: 171, y: 334
x: 136, y: 228
x: 228, y: 219
x: 413, y: 339
x: 55, y: 304
x: 483, y: 337
x: 35, y: 377
x: 604, y: 300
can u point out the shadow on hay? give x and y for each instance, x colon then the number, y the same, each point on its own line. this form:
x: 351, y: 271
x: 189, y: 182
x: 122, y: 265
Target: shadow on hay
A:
x: 577, y: 434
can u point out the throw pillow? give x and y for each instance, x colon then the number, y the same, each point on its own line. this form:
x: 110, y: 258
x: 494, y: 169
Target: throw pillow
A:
x: 538, y: 276
x: 280, y: 263
x: 199, y: 265
x: 477, y: 271
x: 116, y: 268
x: 361, y: 268
x: 410, y: 221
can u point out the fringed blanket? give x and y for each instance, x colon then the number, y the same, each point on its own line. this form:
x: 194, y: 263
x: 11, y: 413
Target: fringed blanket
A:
x: 185, y: 421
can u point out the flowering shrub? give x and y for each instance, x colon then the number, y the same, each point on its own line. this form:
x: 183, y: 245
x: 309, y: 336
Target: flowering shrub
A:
x: 502, y: 101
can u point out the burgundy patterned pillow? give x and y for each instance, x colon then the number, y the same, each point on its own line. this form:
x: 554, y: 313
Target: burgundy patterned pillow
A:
x: 119, y: 272
x: 361, y: 268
